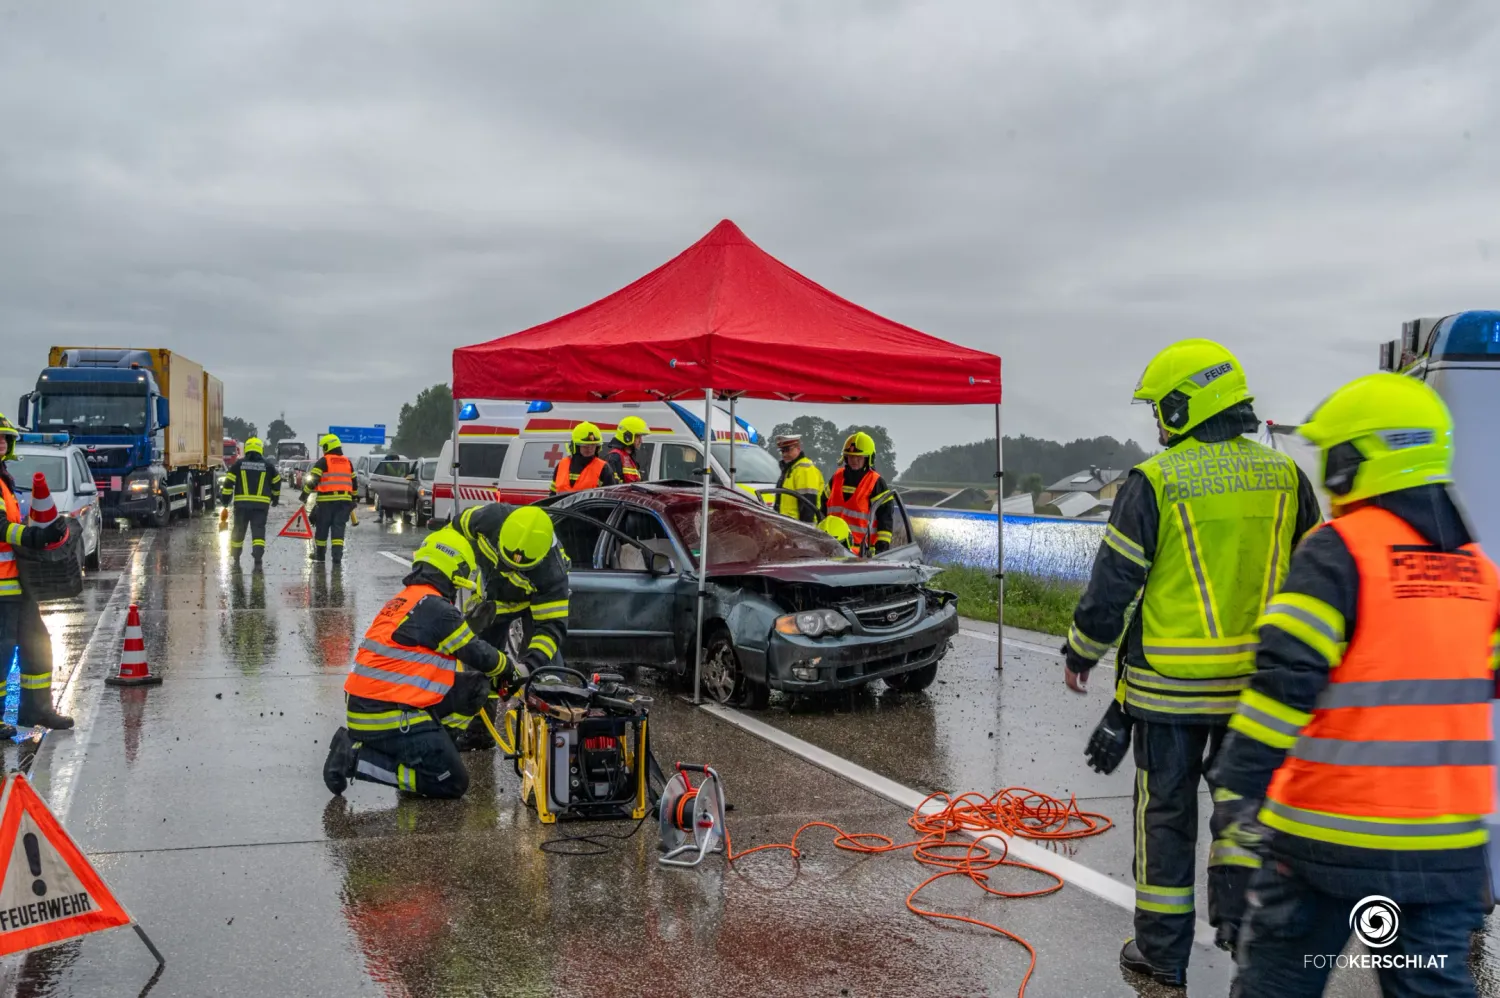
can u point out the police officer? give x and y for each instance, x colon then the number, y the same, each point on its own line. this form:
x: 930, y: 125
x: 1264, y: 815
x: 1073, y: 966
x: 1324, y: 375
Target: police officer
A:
x: 525, y: 575
x: 800, y: 475
x: 252, y: 485
x: 856, y: 489
x: 20, y: 616
x: 332, y: 479
x: 420, y: 676
x: 584, y: 468
x: 1362, y: 744
x: 1207, y: 527
x: 621, y: 453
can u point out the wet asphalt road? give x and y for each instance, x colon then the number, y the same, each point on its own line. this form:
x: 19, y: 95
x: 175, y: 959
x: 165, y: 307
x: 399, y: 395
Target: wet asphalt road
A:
x: 201, y: 803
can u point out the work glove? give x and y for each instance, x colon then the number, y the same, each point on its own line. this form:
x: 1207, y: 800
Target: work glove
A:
x: 1110, y: 740
x: 511, y: 677
x: 1237, y: 819
x: 54, y: 532
x: 480, y: 616
x: 471, y: 691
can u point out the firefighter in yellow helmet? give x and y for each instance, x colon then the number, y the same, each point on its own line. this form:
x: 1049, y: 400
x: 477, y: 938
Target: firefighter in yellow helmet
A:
x: 859, y: 496
x: 836, y: 528
x: 332, y: 479
x: 621, y: 454
x: 584, y: 468
x: 21, y: 624
x: 1359, y: 760
x: 1203, y: 531
x: 252, y: 485
x: 525, y: 573
x: 420, y: 677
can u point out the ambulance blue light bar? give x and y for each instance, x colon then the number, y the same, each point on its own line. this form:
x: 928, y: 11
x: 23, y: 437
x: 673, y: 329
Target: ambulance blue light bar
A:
x: 539, y: 407
x: 45, y: 438
x: 469, y: 411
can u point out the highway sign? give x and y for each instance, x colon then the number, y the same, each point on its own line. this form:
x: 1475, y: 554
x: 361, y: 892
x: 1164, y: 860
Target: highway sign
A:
x: 360, y: 434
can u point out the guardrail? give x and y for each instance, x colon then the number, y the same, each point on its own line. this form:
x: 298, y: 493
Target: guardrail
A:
x: 1048, y: 546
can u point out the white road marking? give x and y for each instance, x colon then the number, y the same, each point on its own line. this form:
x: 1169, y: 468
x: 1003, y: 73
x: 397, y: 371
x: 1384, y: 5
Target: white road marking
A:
x: 403, y: 562
x: 1031, y: 646
x: 1025, y: 850
x: 62, y: 752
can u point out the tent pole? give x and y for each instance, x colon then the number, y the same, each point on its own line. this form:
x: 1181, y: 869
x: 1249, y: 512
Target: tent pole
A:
x: 453, y: 461
x: 999, y: 544
x: 707, y: 471
x: 732, y: 426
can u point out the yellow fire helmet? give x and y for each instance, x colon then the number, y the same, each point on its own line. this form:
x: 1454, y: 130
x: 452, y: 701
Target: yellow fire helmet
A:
x: 585, y: 433
x: 630, y: 430
x: 1381, y: 433
x: 254, y: 446
x: 860, y: 444
x: 525, y: 537
x: 329, y: 442
x: 1190, y: 381
x: 449, y: 552
x: 835, y: 527
x: 8, y: 436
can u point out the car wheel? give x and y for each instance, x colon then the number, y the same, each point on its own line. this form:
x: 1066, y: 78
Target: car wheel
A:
x: 911, y: 682
x: 162, y: 516
x: 91, y: 560
x: 724, y: 681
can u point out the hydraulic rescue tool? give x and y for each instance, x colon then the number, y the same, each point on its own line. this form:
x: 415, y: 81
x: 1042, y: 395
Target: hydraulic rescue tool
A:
x: 691, y: 818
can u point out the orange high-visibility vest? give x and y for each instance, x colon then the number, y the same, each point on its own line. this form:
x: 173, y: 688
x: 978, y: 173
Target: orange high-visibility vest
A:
x: 1402, y: 732
x: 855, y: 510
x: 588, y: 478
x: 385, y: 670
x: 339, y: 478
x: 10, y: 572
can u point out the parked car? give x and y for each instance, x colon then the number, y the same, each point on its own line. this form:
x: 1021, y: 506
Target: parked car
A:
x: 70, y: 481
x: 426, y: 473
x: 393, y: 486
x: 363, y: 466
x: 788, y: 607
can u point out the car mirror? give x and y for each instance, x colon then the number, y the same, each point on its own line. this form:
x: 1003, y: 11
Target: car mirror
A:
x: 660, y: 563
x: 85, y: 490
x: 411, y: 478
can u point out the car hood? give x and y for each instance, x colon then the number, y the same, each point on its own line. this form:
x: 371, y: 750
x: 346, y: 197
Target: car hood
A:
x: 833, y: 573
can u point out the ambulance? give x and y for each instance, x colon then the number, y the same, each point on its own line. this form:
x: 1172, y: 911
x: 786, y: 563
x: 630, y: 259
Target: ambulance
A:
x: 509, y: 451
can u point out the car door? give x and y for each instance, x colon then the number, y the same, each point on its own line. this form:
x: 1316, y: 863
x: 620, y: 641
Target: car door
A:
x: 87, y: 499
x: 904, y: 545
x: 646, y: 609
x: 592, y: 607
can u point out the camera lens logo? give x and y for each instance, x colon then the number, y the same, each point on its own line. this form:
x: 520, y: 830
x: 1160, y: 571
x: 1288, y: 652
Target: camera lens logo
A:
x: 1376, y: 920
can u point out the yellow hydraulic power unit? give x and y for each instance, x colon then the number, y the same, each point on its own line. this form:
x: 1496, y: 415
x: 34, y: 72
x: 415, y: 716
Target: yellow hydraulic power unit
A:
x: 581, y: 745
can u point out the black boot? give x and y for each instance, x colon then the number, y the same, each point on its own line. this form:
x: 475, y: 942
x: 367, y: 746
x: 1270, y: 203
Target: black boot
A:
x: 36, y: 708
x: 1132, y: 960
x: 338, y: 768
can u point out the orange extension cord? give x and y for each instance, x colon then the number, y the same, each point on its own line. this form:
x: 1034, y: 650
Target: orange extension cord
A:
x: 1012, y: 811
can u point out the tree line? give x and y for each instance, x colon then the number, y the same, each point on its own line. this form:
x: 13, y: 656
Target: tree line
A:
x: 424, y: 425
x: 1031, y: 463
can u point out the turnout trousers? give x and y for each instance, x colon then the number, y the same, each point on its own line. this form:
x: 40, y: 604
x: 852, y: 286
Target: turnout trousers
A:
x: 250, y: 518
x: 330, y: 519
x: 1171, y: 762
x: 21, y: 627
x: 1294, y: 933
x: 424, y: 761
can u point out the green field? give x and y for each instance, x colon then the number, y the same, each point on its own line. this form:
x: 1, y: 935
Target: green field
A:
x: 1030, y: 601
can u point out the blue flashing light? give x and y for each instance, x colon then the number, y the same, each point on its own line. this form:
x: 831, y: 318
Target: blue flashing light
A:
x: 694, y: 423
x: 45, y: 438
x: 539, y: 407
x: 754, y: 436
x: 469, y: 411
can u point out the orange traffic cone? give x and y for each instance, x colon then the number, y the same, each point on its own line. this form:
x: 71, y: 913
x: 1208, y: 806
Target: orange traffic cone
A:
x: 133, y: 668
x: 43, y: 509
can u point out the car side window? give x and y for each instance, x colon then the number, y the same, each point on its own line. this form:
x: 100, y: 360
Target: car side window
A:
x: 643, y: 453
x: 579, y: 535
x: 83, y: 478
x: 900, y: 528
x: 680, y: 461
x: 647, y: 529
x: 481, y: 460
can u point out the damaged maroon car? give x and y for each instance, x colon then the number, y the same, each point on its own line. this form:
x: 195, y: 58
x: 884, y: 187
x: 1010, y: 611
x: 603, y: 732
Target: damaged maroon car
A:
x: 788, y: 608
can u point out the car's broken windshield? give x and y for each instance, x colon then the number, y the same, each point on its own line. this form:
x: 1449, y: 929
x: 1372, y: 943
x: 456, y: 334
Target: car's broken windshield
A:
x: 740, y: 533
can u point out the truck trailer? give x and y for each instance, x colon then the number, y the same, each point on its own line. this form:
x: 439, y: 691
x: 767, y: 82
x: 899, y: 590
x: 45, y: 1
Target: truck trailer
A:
x: 150, y: 422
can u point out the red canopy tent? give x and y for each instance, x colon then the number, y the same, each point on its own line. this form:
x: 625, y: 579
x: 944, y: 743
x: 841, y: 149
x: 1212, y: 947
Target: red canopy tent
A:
x: 726, y: 318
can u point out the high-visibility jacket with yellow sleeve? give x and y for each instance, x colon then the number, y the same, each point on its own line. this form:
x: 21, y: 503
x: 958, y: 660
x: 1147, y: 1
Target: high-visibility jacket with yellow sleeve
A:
x: 1204, y: 532
x: 803, y: 477
x: 1366, y: 726
x: 538, y: 594
x: 252, y: 480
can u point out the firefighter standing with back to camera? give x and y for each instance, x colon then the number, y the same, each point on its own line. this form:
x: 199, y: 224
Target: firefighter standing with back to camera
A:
x: 525, y: 575
x: 419, y: 678
x: 21, y: 624
x: 1361, y: 750
x: 1204, y: 531
x: 855, y: 490
x: 583, y: 468
x: 252, y: 485
x: 332, y: 479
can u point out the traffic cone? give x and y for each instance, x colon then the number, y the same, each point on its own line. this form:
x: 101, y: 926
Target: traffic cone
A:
x: 43, y: 509
x: 133, y: 668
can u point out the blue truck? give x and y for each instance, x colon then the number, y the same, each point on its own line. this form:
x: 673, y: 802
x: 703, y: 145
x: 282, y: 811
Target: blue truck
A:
x: 150, y: 422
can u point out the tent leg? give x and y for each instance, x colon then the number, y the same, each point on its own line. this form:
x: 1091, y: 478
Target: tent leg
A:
x: 732, y: 427
x: 453, y: 462
x: 707, y: 472
x: 999, y: 544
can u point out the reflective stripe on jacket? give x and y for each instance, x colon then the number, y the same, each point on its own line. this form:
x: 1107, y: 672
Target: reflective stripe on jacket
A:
x: 588, y: 478
x: 396, y: 673
x: 853, y: 510
x: 1228, y: 516
x: 803, y: 477
x: 337, y: 480
x: 621, y: 455
x: 10, y: 572
x: 1396, y: 754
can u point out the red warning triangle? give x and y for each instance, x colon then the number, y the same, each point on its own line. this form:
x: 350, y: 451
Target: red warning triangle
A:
x: 292, y: 530
x: 48, y: 890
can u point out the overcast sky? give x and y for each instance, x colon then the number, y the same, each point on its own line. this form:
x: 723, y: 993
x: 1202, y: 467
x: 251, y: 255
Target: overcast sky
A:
x: 319, y: 201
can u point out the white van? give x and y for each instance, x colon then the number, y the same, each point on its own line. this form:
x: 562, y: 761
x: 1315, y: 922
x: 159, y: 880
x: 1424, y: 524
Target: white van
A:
x: 508, y: 451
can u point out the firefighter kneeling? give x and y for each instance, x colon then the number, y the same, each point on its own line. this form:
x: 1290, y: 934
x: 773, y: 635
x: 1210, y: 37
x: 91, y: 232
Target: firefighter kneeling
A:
x: 1359, y: 760
x: 420, y: 676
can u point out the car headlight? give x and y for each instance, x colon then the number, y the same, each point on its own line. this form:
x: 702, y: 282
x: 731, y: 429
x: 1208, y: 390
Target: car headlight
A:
x: 813, y: 623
